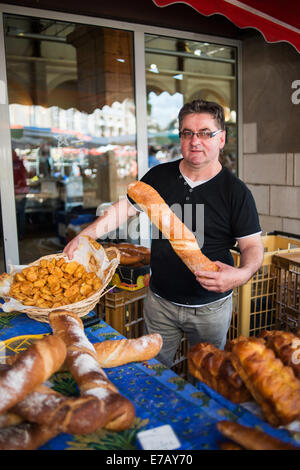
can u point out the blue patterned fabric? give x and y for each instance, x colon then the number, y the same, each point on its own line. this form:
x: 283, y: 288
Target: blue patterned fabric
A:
x: 159, y: 395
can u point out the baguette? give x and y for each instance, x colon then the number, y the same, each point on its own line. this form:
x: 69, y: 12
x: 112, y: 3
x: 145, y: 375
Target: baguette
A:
x: 31, y: 368
x: 182, y: 240
x: 114, y: 411
x: 252, y: 439
x: 25, y: 436
x: 273, y: 385
x: 214, y: 367
x: 113, y: 353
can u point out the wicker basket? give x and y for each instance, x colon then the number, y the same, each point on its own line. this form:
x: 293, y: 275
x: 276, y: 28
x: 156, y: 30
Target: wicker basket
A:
x: 83, y: 307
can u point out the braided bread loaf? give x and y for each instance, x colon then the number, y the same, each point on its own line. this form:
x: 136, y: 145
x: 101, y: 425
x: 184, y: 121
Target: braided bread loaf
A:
x: 273, y: 385
x: 214, y: 367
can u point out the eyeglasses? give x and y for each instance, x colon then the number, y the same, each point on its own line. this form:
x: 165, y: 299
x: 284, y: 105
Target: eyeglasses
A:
x: 205, y: 135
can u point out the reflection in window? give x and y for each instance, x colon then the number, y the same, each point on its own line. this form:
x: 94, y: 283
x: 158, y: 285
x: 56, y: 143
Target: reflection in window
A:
x: 179, y: 71
x: 72, y: 120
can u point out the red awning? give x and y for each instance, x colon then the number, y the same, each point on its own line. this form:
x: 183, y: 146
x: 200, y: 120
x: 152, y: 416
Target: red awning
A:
x: 277, y: 20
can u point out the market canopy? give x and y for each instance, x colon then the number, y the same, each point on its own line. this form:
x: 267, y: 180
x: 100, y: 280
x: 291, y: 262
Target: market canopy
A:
x: 276, y: 20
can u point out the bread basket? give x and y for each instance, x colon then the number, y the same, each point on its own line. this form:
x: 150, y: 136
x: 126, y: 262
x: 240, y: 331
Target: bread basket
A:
x: 83, y: 307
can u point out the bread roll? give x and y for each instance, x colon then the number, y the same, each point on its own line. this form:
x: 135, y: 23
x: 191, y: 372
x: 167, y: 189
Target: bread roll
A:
x: 214, y: 367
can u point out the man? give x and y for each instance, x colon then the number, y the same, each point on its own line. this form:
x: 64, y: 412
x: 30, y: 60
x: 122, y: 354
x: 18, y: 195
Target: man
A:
x: 199, y: 304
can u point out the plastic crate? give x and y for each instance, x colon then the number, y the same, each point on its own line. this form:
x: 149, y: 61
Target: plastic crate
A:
x: 254, y: 303
x: 123, y: 311
x: 287, y: 268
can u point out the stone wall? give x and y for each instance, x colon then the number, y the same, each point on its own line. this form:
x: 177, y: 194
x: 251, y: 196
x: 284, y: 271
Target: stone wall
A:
x: 274, y: 179
x: 271, y: 142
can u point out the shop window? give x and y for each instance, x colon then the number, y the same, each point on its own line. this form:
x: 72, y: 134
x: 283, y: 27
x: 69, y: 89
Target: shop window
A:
x: 179, y: 71
x: 73, y: 125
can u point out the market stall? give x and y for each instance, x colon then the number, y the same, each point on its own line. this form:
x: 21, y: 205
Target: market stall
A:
x: 159, y: 396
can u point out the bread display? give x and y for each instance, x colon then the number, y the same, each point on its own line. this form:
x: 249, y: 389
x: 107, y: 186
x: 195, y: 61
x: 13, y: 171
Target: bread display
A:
x: 32, y: 413
x: 214, y: 367
x: 251, y: 438
x: 182, y: 240
x: 262, y: 369
x: 272, y: 384
x: 54, y: 283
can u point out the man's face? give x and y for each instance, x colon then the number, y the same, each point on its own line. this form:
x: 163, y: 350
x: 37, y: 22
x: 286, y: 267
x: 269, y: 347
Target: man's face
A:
x: 199, y: 152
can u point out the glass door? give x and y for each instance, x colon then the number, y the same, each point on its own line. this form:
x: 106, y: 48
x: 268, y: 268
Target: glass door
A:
x: 72, y: 125
x: 179, y: 71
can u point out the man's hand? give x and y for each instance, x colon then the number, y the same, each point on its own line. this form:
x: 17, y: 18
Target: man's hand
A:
x: 228, y: 277
x: 223, y: 280
x: 71, y: 247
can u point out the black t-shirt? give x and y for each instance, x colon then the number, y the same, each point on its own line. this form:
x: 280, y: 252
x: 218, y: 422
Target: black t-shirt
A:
x: 229, y: 213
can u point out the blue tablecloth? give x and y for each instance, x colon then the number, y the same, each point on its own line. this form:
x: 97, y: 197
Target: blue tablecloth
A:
x: 160, y: 397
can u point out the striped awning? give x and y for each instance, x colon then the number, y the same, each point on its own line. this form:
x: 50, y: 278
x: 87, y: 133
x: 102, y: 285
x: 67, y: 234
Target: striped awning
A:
x: 277, y: 20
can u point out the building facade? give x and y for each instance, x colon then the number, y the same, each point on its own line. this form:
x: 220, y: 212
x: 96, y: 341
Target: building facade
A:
x: 89, y: 101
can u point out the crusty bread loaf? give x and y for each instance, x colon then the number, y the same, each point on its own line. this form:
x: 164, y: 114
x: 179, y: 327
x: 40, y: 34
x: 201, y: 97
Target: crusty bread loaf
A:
x: 25, y: 436
x: 31, y: 368
x: 273, y: 385
x: 252, y: 438
x: 214, y: 367
x: 182, y: 240
x: 114, y: 411
x: 45, y: 406
x: 113, y: 353
x: 9, y: 419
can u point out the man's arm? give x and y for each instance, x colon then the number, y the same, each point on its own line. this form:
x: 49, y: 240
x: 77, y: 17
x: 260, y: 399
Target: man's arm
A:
x: 228, y: 277
x: 116, y: 215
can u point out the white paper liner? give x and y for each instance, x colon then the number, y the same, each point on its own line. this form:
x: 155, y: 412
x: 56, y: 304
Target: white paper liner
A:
x: 92, y: 258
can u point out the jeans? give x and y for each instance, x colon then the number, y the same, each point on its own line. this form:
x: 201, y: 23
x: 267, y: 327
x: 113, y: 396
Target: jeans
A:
x: 209, y: 323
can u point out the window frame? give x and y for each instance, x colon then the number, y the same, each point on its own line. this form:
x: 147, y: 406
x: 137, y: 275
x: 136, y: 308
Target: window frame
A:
x: 9, y: 224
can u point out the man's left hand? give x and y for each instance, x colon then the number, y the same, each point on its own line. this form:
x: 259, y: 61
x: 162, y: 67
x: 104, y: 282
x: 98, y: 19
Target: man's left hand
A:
x: 223, y: 280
